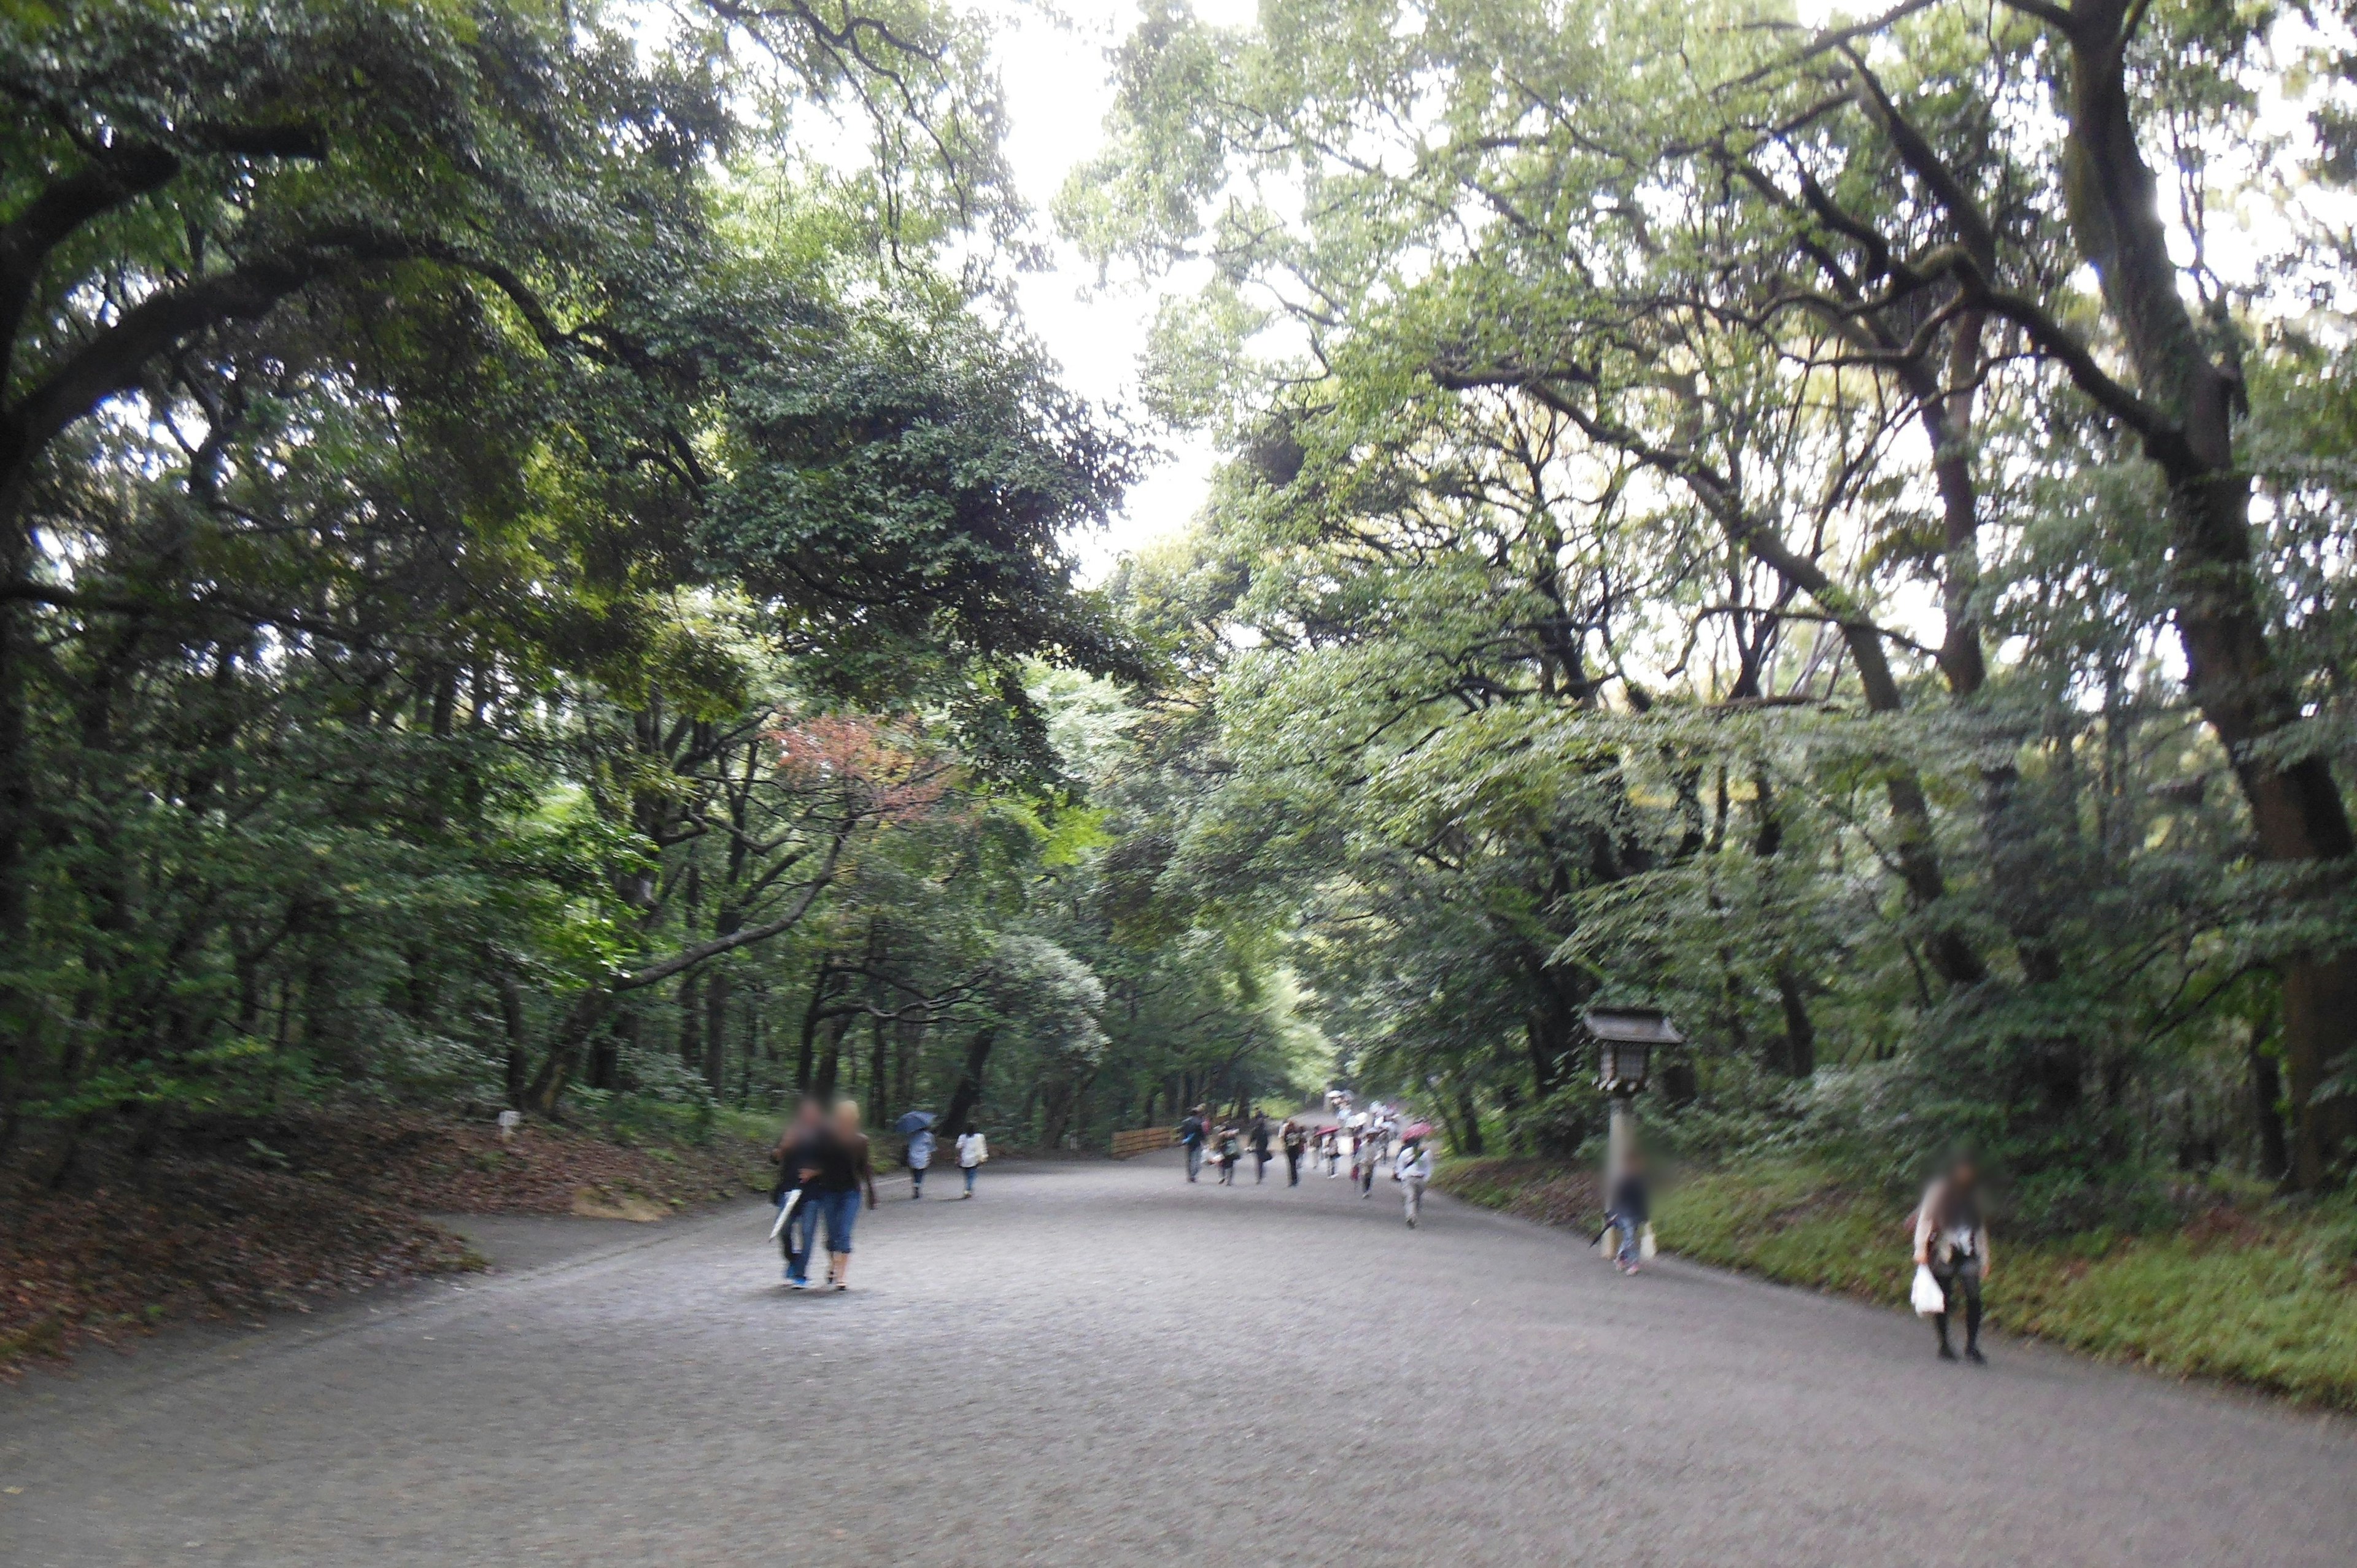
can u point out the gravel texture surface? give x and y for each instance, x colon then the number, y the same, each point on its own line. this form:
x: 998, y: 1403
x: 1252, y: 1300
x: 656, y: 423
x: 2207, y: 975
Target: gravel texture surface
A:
x: 1097, y: 1363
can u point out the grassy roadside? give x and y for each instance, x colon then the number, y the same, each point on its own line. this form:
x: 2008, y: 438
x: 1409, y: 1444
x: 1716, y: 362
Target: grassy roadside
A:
x: 2265, y: 1297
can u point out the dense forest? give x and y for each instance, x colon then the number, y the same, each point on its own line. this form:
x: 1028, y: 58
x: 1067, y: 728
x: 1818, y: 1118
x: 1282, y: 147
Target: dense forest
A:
x: 524, y: 586
x: 542, y: 572
x: 1838, y: 530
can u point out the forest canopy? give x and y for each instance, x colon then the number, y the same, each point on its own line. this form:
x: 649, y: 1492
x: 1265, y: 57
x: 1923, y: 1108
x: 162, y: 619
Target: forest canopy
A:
x: 542, y: 570
x: 1839, y: 528
x: 524, y: 585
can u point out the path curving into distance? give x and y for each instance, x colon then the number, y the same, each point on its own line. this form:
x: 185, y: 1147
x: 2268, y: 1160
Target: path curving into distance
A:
x: 1097, y: 1363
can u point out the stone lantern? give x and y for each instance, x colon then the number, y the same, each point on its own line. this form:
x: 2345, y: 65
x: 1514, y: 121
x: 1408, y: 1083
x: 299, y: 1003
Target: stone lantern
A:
x: 1625, y: 1039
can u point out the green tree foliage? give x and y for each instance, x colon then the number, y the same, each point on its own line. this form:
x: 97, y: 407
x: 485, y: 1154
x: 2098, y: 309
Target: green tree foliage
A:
x: 1765, y: 518
x: 518, y: 583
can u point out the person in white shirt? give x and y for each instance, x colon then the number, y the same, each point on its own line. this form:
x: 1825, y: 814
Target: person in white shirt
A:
x: 1413, y: 1170
x: 972, y: 1152
x: 921, y: 1154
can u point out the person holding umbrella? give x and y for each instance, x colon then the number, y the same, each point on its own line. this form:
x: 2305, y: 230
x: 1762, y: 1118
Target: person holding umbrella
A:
x: 917, y: 1126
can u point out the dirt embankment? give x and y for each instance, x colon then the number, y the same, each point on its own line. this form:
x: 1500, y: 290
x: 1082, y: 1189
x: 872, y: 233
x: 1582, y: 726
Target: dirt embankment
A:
x: 231, y: 1218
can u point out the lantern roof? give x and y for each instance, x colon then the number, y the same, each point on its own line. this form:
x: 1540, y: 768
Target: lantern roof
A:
x: 1631, y: 1025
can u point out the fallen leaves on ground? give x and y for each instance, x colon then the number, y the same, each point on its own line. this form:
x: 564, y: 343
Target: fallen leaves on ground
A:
x: 229, y: 1220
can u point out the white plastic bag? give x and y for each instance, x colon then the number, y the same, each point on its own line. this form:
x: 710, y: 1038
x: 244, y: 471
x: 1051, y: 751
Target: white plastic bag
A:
x: 1645, y: 1248
x: 1929, y: 1298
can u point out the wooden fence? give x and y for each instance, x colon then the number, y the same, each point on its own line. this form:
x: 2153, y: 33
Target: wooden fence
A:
x: 1138, y: 1139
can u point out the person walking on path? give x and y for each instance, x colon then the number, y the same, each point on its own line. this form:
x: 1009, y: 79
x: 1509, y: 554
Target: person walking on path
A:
x: 1630, y: 1208
x: 921, y: 1154
x: 798, y: 1155
x: 1412, y: 1171
x: 846, y: 1170
x: 1191, y: 1133
x: 1260, y: 1136
x: 1295, y: 1142
x: 973, y: 1150
x: 1231, y: 1151
x: 1951, y: 1238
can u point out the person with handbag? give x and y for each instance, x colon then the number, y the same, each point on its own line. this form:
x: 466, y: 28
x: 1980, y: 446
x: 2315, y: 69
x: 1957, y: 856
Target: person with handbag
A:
x: 1296, y: 1143
x: 1952, y: 1241
x: 973, y: 1150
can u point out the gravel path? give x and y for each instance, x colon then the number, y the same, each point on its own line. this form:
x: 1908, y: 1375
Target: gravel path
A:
x: 1095, y: 1363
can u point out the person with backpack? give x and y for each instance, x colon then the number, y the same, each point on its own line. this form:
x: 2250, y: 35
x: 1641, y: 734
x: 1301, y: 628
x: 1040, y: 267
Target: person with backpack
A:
x: 1191, y: 1133
x: 973, y: 1149
x: 1260, y: 1136
x: 920, y: 1155
x: 1413, y: 1170
x: 1951, y: 1240
x: 1295, y: 1142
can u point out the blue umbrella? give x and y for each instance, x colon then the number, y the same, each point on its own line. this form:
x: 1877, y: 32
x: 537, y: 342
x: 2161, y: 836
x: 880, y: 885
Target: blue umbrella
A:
x: 913, y: 1122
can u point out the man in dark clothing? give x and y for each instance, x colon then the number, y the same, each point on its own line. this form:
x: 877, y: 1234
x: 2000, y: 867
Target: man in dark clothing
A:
x: 801, y: 1154
x: 1630, y: 1208
x: 1260, y: 1135
x: 1191, y: 1132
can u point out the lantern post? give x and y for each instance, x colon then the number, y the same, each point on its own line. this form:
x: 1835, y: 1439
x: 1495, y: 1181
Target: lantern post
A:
x: 1625, y: 1038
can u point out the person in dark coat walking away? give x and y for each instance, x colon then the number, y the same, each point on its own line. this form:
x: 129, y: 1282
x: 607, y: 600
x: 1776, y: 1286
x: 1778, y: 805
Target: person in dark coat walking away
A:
x: 799, y: 1154
x: 1296, y: 1143
x: 1191, y: 1133
x: 1632, y: 1208
x: 1260, y: 1136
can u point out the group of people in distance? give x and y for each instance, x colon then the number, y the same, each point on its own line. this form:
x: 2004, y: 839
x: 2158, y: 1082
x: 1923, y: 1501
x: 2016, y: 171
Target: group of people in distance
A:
x: 826, y: 1164
x: 1365, y: 1138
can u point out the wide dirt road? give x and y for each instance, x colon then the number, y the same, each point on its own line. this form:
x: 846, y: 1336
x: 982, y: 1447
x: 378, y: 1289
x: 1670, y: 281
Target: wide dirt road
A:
x: 1094, y: 1364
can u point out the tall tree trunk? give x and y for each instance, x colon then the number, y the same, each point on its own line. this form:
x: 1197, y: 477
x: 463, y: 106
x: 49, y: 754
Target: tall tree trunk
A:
x: 830, y: 1060
x: 716, y: 1030
x: 2243, y: 692
x: 1469, y: 1123
x: 2266, y: 1097
x: 967, y: 1096
x: 519, y: 1063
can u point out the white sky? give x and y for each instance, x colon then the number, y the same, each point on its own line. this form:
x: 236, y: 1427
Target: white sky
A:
x: 1058, y: 90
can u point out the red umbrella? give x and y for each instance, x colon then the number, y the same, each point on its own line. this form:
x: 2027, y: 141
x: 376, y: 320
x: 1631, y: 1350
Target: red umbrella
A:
x: 1415, y: 1130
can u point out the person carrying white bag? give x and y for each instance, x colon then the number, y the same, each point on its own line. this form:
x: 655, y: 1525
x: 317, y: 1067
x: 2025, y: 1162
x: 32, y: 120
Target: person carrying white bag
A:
x: 1951, y: 1254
